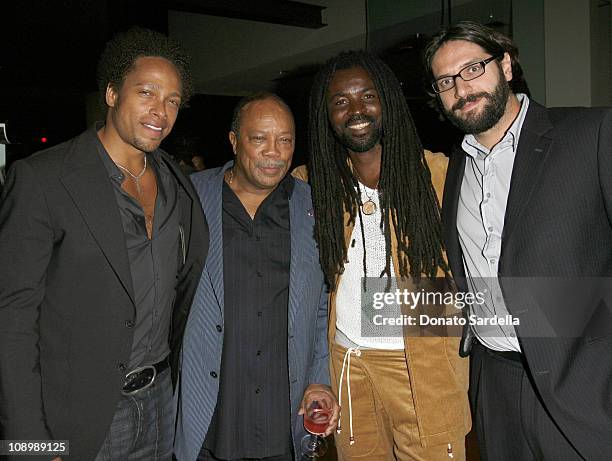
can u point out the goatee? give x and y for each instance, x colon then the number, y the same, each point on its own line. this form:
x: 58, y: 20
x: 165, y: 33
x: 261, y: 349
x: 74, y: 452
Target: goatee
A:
x: 490, y: 114
x: 364, y: 144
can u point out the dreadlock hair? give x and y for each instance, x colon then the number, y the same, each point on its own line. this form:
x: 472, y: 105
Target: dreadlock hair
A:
x: 493, y: 42
x: 406, y: 194
x: 121, y: 52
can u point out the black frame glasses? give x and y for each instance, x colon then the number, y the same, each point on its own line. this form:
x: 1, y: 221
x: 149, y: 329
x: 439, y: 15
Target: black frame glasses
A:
x: 470, y: 75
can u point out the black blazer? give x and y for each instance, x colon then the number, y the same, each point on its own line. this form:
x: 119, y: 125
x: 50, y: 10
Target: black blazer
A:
x: 66, y: 295
x: 558, y: 223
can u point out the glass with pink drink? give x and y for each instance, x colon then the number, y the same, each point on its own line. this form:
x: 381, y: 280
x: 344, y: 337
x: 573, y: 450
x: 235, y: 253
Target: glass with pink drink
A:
x: 316, y: 420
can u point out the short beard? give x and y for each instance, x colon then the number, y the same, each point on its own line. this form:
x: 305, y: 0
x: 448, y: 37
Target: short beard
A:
x: 359, y: 145
x: 490, y: 115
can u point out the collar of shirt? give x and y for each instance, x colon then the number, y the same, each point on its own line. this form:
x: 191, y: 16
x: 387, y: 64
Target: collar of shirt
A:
x: 112, y: 169
x: 476, y: 150
x: 268, y: 209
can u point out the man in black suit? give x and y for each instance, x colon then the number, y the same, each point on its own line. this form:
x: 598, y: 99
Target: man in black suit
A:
x: 102, y: 240
x: 528, y: 194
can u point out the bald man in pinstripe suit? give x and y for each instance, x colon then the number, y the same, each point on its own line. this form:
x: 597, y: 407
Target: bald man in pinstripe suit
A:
x: 255, y: 348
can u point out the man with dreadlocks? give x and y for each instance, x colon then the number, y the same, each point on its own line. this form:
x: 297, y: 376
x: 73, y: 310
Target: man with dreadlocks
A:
x: 377, y: 215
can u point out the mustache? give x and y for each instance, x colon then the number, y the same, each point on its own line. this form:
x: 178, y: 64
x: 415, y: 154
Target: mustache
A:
x: 353, y: 119
x: 271, y: 164
x: 471, y: 98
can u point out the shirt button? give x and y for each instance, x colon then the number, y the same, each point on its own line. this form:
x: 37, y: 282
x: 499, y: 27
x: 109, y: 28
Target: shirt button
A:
x: 258, y: 390
x: 488, y: 195
x: 219, y: 329
x: 492, y: 261
x: 121, y: 367
x: 258, y: 352
x: 257, y: 238
x: 259, y: 274
x: 129, y: 324
x: 259, y: 314
x: 213, y: 374
x: 490, y: 229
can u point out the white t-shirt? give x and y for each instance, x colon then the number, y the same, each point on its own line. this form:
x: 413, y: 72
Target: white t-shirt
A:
x: 354, y: 317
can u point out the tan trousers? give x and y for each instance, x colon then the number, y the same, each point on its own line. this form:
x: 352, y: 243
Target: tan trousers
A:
x: 384, y: 421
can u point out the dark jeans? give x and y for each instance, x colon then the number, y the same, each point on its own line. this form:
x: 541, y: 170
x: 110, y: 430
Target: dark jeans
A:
x: 143, y: 425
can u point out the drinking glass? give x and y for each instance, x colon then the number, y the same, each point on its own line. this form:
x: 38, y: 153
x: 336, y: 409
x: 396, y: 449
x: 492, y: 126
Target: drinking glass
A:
x: 316, y: 419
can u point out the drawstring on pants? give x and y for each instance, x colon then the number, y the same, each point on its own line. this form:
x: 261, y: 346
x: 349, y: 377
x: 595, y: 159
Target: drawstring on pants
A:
x: 346, y: 363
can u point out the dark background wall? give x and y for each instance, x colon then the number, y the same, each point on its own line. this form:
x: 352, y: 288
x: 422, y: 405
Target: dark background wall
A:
x: 49, y: 50
x: 48, y: 87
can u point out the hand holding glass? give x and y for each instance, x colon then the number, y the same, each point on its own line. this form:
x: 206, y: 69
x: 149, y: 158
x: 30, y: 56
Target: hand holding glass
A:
x: 316, y: 419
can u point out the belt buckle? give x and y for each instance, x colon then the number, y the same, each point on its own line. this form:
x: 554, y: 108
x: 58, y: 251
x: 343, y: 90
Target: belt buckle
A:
x: 131, y: 385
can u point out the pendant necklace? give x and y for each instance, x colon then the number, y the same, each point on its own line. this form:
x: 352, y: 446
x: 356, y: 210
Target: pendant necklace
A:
x: 135, y: 177
x: 369, y: 206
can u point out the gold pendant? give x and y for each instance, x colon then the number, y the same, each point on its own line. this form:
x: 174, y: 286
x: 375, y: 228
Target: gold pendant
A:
x: 368, y: 207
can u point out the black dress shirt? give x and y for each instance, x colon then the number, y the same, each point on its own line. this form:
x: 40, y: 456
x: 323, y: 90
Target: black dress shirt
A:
x: 252, y: 416
x: 153, y: 262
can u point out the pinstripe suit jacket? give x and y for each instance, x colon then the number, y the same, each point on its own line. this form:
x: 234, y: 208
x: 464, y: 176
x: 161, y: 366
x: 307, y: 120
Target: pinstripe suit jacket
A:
x: 203, y: 342
x: 558, y: 223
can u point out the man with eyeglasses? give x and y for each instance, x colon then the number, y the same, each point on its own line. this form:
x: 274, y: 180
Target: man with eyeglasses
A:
x: 527, y: 201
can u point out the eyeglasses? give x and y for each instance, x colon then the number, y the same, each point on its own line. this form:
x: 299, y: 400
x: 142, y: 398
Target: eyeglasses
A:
x: 468, y: 73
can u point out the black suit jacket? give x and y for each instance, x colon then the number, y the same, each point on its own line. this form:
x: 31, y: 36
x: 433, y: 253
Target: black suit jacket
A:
x: 558, y: 224
x: 66, y: 294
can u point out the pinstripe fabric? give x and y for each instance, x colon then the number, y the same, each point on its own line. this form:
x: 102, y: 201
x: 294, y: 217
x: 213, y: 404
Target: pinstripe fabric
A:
x: 202, y: 344
x: 557, y: 224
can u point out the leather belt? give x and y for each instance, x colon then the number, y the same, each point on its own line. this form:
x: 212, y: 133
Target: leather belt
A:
x: 142, y: 378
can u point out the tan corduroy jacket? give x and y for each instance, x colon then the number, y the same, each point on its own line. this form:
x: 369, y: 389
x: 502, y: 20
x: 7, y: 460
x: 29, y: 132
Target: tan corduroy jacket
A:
x: 438, y: 376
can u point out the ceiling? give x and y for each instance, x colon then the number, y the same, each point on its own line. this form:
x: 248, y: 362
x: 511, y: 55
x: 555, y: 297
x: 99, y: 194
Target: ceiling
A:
x: 236, y: 45
x: 50, y: 48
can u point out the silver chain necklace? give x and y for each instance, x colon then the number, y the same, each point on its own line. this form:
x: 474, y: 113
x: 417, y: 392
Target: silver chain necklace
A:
x: 135, y: 177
